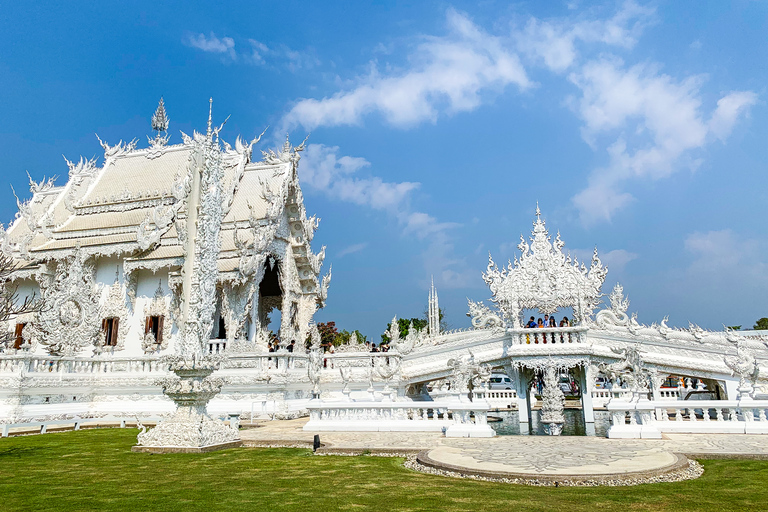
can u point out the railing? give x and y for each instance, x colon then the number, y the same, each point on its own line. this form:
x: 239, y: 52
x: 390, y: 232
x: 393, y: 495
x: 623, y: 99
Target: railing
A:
x: 549, y: 335
x: 457, y: 419
x: 647, y: 418
x: 53, y: 364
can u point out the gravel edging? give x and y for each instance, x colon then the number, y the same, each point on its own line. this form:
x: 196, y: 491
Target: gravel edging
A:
x: 685, y: 469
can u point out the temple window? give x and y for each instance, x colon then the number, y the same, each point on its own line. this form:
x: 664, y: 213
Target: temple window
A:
x: 154, y: 325
x: 109, y: 329
x: 222, y: 334
x: 19, y: 335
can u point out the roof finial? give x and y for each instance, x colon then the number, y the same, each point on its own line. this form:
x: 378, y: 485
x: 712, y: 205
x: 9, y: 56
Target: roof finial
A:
x: 160, y: 120
x: 210, y: 116
x: 538, y: 212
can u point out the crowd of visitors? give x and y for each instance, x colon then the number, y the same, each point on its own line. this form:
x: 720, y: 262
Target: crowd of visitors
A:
x: 547, y: 321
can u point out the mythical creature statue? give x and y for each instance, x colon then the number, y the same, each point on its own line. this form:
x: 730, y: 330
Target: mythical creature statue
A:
x: 745, y: 366
x: 630, y: 369
x: 617, y: 314
x: 483, y: 317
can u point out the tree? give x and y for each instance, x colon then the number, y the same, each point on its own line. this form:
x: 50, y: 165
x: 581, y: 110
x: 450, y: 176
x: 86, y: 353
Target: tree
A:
x: 734, y: 327
x: 761, y: 325
x: 344, y: 336
x: 419, y: 324
x: 328, y: 332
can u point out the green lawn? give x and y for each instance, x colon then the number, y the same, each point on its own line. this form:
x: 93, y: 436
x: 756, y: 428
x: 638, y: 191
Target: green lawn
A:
x: 95, y: 470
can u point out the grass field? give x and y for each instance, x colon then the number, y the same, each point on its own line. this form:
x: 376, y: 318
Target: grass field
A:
x: 95, y: 470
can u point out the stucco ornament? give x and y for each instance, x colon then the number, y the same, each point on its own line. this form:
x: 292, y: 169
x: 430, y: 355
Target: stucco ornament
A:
x: 466, y: 375
x: 157, y: 307
x: 194, y: 386
x: 315, y: 365
x: 631, y: 370
x: 69, y: 318
x: 483, y: 317
x: 553, y: 402
x: 545, y: 279
x: 617, y: 314
x: 191, y: 389
x: 352, y: 345
x: 745, y: 366
x: 403, y: 345
x: 115, y: 307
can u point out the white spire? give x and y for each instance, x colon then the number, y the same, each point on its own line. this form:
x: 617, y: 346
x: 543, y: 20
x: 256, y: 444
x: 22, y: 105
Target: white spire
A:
x: 433, y: 314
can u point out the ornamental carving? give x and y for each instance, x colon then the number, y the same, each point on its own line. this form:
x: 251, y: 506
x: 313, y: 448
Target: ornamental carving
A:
x: 617, y: 314
x: 483, y: 317
x: 69, y: 318
x: 545, y: 279
x: 159, y: 308
x: 114, y: 307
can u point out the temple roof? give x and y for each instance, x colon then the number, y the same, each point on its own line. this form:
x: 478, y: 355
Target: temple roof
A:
x: 133, y: 203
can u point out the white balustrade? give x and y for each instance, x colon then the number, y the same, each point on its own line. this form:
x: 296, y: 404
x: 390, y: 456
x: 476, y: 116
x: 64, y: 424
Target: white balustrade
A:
x: 549, y: 335
x: 457, y: 419
x: 647, y: 418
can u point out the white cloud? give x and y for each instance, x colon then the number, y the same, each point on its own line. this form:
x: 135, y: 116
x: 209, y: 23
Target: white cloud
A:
x: 258, y: 53
x: 281, y: 55
x: 728, y: 110
x: 212, y: 44
x: 656, y: 120
x: 723, y: 251
x: 323, y: 170
x: 447, y: 73
x: 352, y: 249
x: 553, y: 42
x: 616, y: 260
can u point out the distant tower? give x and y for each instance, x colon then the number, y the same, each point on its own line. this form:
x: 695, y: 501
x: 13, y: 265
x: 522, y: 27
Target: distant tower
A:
x: 434, y: 311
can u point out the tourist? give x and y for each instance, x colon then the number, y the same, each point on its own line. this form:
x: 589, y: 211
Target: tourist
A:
x: 531, y: 323
x: 373, y: 348
x: 546, y: 320
x: 540, y: 323
x: 291, y: 346
x: 552, y: 322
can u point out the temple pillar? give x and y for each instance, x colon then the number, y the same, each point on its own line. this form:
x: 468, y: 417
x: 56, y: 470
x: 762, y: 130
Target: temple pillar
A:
x: 521, y: 387
x: 586, y: 383
x: 731, y: 389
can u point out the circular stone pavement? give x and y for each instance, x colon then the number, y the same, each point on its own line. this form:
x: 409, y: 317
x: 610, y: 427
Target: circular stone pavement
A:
x: 561, y: 459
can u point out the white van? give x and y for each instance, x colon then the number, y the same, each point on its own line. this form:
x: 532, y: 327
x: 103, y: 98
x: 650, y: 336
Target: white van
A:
x: 500, y: 381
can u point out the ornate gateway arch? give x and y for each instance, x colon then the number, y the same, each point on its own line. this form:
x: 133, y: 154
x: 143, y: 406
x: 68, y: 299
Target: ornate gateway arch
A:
x: 545, y: 278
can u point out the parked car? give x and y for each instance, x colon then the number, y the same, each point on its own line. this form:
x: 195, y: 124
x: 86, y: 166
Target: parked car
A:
x: 500, y: 381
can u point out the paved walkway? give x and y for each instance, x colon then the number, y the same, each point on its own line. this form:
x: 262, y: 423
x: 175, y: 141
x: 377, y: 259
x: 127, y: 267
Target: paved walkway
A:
x: 522, y: 456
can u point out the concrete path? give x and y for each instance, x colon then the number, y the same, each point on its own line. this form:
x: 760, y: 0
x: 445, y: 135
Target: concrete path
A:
x: 523, y: 456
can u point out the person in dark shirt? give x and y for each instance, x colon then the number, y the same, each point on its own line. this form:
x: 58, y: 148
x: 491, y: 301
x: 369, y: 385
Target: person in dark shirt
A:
x: 291, y: 346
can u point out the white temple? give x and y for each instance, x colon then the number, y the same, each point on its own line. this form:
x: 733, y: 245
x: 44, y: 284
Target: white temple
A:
x: 106, y: 251
x: 185, y: 250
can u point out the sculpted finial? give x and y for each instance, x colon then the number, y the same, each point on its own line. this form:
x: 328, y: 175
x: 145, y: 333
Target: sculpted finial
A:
x: 210, y: 117
x: 538, y: 212
x: 160, y: 120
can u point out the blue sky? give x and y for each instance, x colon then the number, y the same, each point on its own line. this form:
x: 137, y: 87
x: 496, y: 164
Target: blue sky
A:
x: 640, y: 128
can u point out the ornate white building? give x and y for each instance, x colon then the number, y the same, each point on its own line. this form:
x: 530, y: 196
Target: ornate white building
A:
x: 106, y: 251
x: 122, y: 284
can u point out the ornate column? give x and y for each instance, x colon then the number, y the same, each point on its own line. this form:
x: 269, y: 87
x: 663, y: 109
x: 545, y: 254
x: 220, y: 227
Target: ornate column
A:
x: 586, y: 383
x: 191, y: 429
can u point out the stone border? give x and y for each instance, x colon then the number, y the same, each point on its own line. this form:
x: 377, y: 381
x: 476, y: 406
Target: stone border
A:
x: 681, y: 469
x: 182, y: 449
